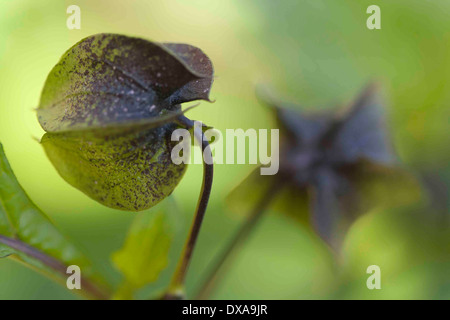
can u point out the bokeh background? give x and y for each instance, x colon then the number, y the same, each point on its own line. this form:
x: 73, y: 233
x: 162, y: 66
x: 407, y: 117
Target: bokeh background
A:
x: 317, y: 53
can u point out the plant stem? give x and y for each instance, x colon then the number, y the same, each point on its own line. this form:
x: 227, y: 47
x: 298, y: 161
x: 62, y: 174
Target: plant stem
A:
x: 88, y: 289
x: 176, y: 287
x: 212, y: 279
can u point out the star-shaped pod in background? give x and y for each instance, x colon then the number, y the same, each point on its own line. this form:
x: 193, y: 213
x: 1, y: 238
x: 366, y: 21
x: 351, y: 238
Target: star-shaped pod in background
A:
x: 334, y: 166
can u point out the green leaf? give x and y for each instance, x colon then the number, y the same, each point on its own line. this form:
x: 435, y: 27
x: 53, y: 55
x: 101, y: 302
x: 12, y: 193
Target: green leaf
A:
x: 21, y: 219
x: 145, y: 251
x: 109, y: 108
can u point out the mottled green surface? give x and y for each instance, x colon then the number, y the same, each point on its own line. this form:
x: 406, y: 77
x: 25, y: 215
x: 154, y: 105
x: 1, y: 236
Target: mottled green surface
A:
x: 110, y: 79
x: 107, y: 107
x: 131, y: 171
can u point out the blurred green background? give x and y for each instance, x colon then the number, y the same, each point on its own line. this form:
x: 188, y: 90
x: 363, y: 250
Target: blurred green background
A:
x: 317, y: 53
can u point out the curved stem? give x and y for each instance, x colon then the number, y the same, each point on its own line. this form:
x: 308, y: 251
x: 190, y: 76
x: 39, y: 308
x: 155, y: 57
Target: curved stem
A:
x: 88, y: 289
x: 176, y: 287
x: 213, y: 278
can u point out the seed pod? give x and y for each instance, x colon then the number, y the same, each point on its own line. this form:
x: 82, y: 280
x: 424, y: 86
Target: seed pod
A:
x: 109, y: 107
